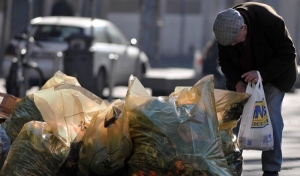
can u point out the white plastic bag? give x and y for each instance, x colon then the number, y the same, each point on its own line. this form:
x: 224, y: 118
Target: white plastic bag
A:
x: 256, y: 132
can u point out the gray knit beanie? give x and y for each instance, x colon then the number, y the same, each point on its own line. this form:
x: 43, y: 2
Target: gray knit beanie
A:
x: 227, y: 26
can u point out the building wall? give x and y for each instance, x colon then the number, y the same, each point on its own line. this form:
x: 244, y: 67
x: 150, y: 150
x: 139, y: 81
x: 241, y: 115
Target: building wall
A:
x: 183, y: 30
x: 179, y: 32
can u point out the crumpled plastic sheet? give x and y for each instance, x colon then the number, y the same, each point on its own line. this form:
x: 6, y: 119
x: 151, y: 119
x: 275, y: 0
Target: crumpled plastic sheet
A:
x: 175, y: 135
x: 36, y: 151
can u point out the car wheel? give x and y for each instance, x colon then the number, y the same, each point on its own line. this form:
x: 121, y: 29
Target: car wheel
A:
x: 100, y: 83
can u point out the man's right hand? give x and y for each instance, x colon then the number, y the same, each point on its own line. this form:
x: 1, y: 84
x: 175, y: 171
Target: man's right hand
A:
x: 240, y: 87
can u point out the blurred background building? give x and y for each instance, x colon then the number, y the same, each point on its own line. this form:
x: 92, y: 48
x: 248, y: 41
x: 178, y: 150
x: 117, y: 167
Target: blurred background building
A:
x: 169, y: 31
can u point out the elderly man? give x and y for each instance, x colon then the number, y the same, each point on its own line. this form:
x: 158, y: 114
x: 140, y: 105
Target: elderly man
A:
x: 253, y: 37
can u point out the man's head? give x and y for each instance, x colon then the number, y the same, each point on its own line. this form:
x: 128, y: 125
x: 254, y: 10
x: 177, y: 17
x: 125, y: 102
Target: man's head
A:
x: 229, y: 27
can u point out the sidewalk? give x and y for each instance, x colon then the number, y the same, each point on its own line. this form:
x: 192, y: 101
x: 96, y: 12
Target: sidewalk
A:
x: 290, y: 141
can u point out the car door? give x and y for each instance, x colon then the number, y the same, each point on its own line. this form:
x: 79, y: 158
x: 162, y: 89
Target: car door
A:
x: 125, y: 63
x: 110, y: 47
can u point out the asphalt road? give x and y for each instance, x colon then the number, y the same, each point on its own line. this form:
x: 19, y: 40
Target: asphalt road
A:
x: 252, y: 164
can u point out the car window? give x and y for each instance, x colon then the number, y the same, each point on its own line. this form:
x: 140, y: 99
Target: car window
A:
x: 54, y: 33
x: 115, y: 35
x: 100, y: 35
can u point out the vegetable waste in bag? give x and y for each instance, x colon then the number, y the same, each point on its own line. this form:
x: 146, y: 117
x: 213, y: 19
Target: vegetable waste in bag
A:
x: 175, y: 135
x: 35, y: 151
x: 106, y: 143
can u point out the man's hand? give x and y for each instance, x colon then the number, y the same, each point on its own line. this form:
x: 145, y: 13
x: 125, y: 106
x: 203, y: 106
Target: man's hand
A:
x: 240, y: 87
x: 251, y: 76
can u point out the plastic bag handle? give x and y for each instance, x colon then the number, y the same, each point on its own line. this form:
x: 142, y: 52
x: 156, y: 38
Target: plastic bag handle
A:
x: 111, y: 120
x: 252, y: 86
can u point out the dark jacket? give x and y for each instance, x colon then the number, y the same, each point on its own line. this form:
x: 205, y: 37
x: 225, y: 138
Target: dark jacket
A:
x: 272, y: 47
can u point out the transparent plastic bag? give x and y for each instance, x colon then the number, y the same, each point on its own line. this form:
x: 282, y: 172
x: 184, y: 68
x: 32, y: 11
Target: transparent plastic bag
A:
x: 176, y: 134
x: 35, y: 151
x: 68, y: 109
x: 106, y: 143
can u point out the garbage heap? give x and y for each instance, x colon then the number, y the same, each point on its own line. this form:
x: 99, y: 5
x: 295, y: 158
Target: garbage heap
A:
x: 63, y: 129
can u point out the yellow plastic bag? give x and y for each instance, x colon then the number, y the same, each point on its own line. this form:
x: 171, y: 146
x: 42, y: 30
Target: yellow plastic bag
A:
x: 176, y: 134
x: 229, y: 106
x: 68, y: 109
x: 107, y: 143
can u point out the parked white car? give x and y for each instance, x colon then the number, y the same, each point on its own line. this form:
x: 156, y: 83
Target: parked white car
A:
x: 49, y: 34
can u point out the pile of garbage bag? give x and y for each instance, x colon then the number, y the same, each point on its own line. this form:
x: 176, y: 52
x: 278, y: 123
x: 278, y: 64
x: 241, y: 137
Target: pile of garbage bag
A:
x: 63, y: 129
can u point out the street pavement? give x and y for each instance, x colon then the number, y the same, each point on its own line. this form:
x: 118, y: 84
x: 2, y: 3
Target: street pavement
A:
x: 252, y: 163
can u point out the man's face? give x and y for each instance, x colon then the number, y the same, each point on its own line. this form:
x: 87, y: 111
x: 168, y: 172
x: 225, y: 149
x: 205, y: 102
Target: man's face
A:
x: 242, y: 35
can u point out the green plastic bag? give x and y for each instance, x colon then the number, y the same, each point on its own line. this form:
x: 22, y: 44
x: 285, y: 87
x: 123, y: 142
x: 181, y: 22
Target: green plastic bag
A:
x: 25, y: 111
x: 35, y: 151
